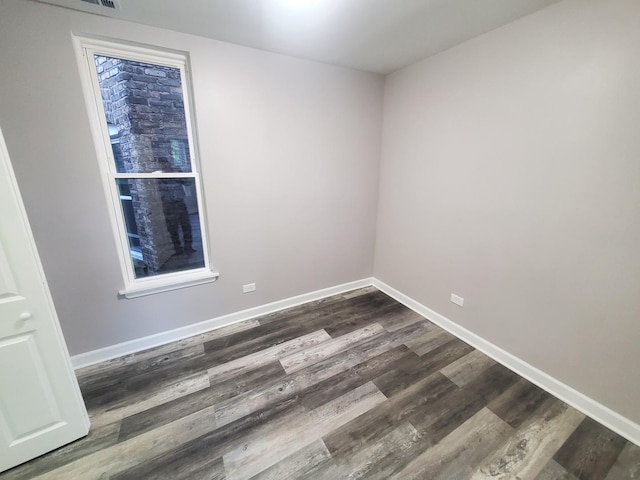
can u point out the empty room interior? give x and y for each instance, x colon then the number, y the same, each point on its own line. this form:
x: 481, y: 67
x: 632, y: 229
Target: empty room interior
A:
x: 320, y: 239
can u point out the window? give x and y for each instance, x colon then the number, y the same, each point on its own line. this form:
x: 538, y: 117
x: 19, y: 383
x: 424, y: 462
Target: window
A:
x: 139, y: 106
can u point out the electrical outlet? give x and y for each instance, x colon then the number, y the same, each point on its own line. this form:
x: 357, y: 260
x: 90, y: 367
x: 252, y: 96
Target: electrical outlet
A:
x: 249, y: 287
x: 457, y: 299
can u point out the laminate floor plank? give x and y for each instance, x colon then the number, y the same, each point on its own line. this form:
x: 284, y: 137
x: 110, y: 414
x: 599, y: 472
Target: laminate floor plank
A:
x: 399, y: 319
x: 198, y: 465
x: 130, y: 379
x: 379, y: 460
x: 354, y: 322
x: 97, y: 383
x: 528, y: 450
x: 518, y: 402
x: 148, y: 399
x: 199, y: 450
x: 314, y: 316
x: 553, y: 471
x: 301, y: 380
x: 98, y: 439
x: 350, y: 386
x: 134, y: 388
x: 380, y: 421
x: 284, y: 350
x: 449, y: 412
x: 431, y: 338
x: 627, y: 465
x: 456, y: 456
x: 354, y: 377
x: 303, y: 463
x: 121, y: 456
x: 313, y: 354
x: 418, y: 367
x: 590, y: 451
x: 465, y: 369
x: 328, y: 306
x: 214, y: 470
x: 244, y: 343
x: 270, y: 444
x: 297, y: 382
x: 104, y: 369
x: 188, y: 404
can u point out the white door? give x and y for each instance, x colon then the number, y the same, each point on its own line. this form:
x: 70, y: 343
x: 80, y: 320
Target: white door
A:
x: 41, y: 407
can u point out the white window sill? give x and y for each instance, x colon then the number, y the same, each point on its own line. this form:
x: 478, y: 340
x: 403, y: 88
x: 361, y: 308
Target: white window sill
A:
x: 168, y: 282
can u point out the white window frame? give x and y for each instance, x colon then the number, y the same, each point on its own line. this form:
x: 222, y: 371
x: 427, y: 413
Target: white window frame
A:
x: 86, y: 48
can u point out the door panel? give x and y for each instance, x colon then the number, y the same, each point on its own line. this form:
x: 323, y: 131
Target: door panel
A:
x: 41, y: 408
x: 7, y: 283
x: 32, y: 394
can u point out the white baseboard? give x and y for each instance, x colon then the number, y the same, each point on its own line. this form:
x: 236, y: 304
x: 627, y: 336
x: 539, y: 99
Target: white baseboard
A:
x: 133, y: 346
x: 616, y: 422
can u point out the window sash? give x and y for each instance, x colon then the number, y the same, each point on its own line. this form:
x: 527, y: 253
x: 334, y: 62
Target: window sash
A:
x: 86, y: 49
x: 155, y: 175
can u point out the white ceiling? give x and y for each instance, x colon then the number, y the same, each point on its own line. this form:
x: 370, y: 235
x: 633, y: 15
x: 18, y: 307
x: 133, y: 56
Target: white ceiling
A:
x: 371, y: 35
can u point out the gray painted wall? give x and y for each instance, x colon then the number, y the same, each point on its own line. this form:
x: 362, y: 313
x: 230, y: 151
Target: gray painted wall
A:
x: 510, y: 175
x: 289, y: 151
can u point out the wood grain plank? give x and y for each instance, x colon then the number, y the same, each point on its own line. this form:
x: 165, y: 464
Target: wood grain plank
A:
x: 358, y: 292
x: 124, y: 455
x: 98, y: 439
x: 465, y: 369
x: 307, y: 462
x: 455, y: 408
x: 200, y: 450
x: 343, y: 382
x: 529, y: 449
x: 431, y: 338
x: 133, y: 388
x: 273, y: 333
x: 297, y: 382
x: 401, y: 318
x: 553, y: 471
x: 590, y: 451
x: 252, y: 361
x: 267, y: 446
x: 382, y: 458
x: 188, y: 404
x: 315, y: 353
x: 328, y: 305
x: 419, y: 367
x: 380, y: 421
x: 458, y: 453
x: 200, y: 466
x: 518, y: 402
x: 316, y: 316
x: 107, y: 368
x: 355, y: 322
x: 96, y: 385
x: 149, y: 399
x: 627, y: 465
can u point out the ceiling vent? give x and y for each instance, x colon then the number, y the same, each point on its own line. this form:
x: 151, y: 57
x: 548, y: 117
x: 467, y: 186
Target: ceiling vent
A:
x: 113, y: 4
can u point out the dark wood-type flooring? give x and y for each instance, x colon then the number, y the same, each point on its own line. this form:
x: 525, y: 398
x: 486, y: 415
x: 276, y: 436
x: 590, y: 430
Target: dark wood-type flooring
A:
x: 351, y: 386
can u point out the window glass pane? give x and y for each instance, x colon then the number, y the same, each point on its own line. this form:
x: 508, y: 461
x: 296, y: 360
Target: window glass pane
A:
x: 163, y: 226
x: 144, y: 106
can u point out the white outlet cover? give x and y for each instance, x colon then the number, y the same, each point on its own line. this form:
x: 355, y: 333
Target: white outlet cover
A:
x: 457, y: 299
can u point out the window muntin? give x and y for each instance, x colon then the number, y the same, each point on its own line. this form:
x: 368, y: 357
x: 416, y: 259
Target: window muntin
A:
x: 143, y: 115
